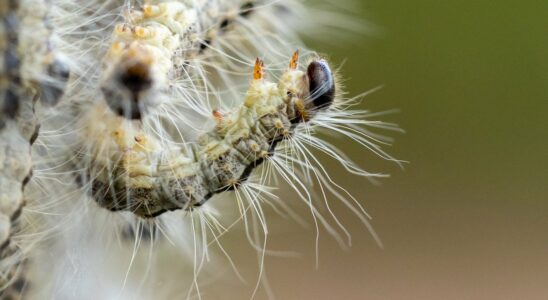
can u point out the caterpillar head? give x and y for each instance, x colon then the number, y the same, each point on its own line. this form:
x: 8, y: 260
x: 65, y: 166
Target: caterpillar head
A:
x: 321, y: 85
x: 310, y: 92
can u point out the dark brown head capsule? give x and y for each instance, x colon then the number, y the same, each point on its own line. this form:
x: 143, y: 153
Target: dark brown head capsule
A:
x: 321, y: 85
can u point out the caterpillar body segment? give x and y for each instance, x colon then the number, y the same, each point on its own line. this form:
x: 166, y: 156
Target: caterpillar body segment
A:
x: 15, y: 172
x: 30, y: 70
x: 10, y: 83
x: 154, y: 46
x: 15, y: 162
x: 44, y: 70
x: 141, y: 176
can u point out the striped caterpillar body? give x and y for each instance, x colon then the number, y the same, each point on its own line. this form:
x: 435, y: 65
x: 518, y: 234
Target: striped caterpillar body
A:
x: 143, y: 119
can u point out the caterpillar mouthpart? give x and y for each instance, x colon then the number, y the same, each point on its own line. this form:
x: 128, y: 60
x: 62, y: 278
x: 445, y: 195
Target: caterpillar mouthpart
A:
x: 137, y: 173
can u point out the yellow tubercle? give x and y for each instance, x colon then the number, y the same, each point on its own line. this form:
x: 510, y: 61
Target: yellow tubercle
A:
x: 144, y: 32
x: 151, y: 10
x: 142, y: 143
x: 258, y: 72
x: 139, y: 53
x: 120, y: 138
x: 117, y: 47
x: 294, y: 63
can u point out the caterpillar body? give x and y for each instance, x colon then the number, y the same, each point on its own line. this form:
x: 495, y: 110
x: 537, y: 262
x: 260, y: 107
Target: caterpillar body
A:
x: 150, y: 180
x: 153, y: 121
x: 154, y: 46
x: 29, y: 69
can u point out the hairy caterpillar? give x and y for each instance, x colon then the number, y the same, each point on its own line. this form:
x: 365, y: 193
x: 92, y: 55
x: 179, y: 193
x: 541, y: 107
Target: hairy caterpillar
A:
x: 150, y: 179
x: 30, y: 69
x: 154, y: 45
x: 153, y: 119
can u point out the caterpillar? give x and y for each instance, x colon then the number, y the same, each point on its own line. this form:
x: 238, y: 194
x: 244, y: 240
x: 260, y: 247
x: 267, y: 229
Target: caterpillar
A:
x: 25, y: 77
x: 147, y: 132
x: 150, y: 180
x: 154, y: 46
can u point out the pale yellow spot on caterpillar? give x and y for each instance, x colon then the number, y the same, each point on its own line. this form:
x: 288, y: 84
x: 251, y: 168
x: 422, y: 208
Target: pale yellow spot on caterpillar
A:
x: 263, y: 154
x: 139, y: 53
x: 255, y: 147
x: 117, y: 47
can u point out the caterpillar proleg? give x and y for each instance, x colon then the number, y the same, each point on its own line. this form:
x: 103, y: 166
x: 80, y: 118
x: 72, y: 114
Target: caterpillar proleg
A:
x: 157, y: 120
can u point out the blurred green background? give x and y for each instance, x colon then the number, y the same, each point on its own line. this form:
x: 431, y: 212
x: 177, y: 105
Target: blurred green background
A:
x: 468, y: 216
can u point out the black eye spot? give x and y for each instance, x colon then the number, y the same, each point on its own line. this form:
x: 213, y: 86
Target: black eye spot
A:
x: 321, y: 84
